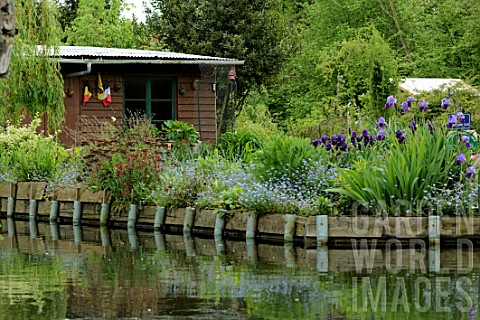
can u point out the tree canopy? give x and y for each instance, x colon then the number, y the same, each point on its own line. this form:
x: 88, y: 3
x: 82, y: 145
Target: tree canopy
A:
x: 254, y: 31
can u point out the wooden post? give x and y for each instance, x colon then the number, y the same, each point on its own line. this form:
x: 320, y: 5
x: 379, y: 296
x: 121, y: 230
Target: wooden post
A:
x: 32, y: 212
x: 104, y: 213
x: 10, y: 206
x: 251, y: 225
x: 322, y: 229
x: 189, y: 219
x: 53, y: 210
x: 219, y: 223
x: 289, y: 227
x: 132, y: 216
x: 77, y: 212
x: 159, y: 218
x: 434, y: 229
x: 11, y: 200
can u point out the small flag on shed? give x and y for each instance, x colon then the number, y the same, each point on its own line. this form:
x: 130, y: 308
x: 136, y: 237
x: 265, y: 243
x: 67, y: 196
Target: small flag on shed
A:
x: 87, y: 93
x: 107, y: 98
x: 99, y: 88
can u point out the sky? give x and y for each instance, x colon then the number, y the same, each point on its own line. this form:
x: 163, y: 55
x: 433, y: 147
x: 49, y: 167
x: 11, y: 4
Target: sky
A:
x: 136, y: 9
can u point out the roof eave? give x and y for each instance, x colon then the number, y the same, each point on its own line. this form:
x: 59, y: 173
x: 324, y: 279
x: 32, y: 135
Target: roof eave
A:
x: 152, y: 61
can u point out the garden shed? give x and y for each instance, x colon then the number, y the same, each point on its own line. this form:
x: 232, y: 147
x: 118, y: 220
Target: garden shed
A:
x: 111, y: 85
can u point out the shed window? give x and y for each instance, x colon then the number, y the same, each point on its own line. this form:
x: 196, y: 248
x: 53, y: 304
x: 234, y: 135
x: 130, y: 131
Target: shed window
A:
x: 152, y: 97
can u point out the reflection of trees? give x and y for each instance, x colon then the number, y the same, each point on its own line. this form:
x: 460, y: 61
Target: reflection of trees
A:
x: 31, y: 288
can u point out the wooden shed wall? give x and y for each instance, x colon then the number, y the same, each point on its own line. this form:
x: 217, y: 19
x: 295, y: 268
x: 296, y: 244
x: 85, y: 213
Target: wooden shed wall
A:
x: 85, y: 122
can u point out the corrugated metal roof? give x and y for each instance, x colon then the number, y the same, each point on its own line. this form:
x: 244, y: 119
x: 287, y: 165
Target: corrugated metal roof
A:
x: 79, y: 52
x: 417, y: 85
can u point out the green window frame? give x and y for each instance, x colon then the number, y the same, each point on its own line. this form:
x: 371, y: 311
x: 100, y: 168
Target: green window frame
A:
x: 150, y: 96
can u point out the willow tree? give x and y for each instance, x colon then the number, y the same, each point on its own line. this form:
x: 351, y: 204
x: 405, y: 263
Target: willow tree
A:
x: 35, y: 85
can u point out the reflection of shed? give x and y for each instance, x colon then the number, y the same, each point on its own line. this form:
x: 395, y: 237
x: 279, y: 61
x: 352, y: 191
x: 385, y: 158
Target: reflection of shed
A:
x: 415, y: 86
x: 162, y: 85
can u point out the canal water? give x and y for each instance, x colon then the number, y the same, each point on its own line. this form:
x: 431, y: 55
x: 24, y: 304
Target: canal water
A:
x: 51, y: 271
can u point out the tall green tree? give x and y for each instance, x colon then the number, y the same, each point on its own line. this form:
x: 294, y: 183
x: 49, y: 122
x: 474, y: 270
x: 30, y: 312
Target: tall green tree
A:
x: 100, y: 25
x: 250, y: 30
x: 35, y: 85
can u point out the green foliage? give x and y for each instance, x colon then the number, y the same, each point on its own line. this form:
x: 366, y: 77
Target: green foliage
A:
x: 253, y: 31
x: 35, y: 85
x: 401, y: 175
x: 28, y: 156
x: 229, y: 199
x: 99, y: 26
x: 283, y: 157
x: 130, y: 178
x: 255, y: 117
x: 239, y: 144
x: 179, y: 131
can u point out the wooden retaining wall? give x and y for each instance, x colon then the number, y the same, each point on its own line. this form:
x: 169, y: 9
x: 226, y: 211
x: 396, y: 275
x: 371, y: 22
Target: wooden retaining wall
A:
x: 81, y: 206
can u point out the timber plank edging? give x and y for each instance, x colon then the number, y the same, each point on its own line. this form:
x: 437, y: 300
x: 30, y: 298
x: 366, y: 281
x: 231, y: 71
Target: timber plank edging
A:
x: 273, y: 224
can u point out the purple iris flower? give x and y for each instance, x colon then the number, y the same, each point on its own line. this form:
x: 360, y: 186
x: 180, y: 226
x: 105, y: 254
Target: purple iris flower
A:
x: 328, y: 147
x: 413, y: 125
x: 452, y: 119
x: 381, y: 122
x: 461, y: 117
x: 461, y: 159
x: 423, y: 105
x: 466, y: 139
x: 343, y: 145
x: 315, y: 142
x: 391, y: 102
x: 405, y: 107
x: 410, y: 100
x: 325, y: 138
x: 353, y: 139
x: 399, y: 135
x: 430, y: 126
x: 445, y: 103
x: 365, y: 133
x: 471, y: 172
x: 381, y: 135
x: 371, y: 139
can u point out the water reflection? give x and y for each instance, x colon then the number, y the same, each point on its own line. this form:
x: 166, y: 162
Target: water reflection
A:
x: 67, y: 271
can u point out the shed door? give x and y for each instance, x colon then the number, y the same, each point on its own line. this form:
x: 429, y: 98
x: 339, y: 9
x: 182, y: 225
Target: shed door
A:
x: 153, y: 97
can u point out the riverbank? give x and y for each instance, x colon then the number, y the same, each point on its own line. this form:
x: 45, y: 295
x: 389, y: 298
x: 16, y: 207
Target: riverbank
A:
x: 84, y: 207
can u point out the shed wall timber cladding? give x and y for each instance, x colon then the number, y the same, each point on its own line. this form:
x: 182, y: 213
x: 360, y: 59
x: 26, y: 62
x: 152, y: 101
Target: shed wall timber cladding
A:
x: 190, y: 105
x: 84, y: 121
